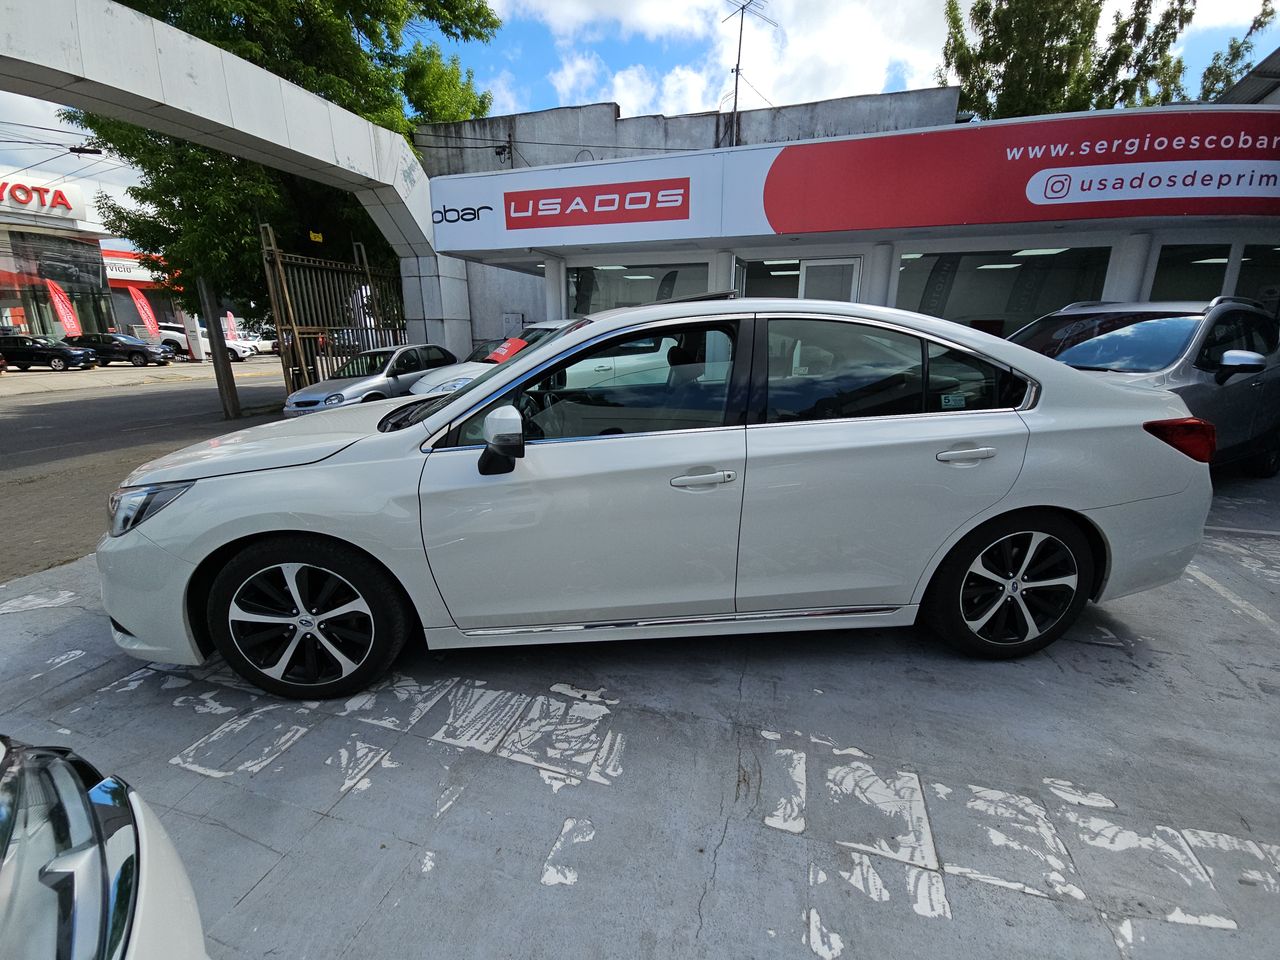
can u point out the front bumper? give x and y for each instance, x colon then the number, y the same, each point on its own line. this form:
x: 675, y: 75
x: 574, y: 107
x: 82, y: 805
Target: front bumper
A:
x: 144, y: 591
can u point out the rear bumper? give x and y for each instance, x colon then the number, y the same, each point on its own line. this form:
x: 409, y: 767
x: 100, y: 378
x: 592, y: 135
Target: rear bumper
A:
x: 144, y: 592
x: 1150, y: 542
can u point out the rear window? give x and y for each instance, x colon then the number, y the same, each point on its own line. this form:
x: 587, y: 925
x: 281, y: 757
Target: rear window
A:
x: 1121, y: 342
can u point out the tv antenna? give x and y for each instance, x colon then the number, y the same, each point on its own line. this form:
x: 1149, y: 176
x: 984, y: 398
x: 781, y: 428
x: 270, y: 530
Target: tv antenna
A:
x: 741, y: 9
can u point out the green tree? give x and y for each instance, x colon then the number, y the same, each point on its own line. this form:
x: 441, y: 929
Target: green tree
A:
x: 196, y: 211
x: 1024, y: 57
x: 1228, y: 66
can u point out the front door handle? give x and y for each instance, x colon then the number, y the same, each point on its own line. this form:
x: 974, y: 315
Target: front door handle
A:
x: 971, y: 453
x: 603, y: 368
x: 704, y: 479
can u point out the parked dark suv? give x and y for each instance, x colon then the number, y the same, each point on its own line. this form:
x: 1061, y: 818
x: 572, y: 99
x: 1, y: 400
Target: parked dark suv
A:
x: 121, y: 346
x: 27, y: 352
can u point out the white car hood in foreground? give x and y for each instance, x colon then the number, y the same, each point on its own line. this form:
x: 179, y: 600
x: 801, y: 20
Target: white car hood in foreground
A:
x: 286, y: 443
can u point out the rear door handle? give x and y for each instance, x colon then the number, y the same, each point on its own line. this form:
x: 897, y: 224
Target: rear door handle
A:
x: 704, y: 479
x: 972, y: 453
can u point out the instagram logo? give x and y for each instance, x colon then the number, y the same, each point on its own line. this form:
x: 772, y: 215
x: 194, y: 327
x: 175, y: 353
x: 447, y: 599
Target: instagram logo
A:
x: 1057, y: 186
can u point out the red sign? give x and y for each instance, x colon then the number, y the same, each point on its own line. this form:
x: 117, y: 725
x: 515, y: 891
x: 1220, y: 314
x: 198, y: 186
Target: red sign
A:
x: 1116, y: 164
x: 63, y: 308
x: 507, y: 349
x: 145, y: 312
x: 230, y: 327
x: 639, y: 202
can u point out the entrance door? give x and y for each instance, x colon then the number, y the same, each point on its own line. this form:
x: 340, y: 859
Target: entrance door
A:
x: 830, y: 279
x: 626, y: 503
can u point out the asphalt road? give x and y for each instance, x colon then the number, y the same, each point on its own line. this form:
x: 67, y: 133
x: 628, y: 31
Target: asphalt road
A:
x: 62, y: 454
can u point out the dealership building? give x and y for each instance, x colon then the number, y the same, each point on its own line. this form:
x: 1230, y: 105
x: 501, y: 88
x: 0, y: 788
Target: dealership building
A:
x: 883, y: 200
x: 56, y: 278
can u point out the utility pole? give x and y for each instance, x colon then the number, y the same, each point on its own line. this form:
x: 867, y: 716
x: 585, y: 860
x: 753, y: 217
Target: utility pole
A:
x: 741, y: 9
x: 221, y: 361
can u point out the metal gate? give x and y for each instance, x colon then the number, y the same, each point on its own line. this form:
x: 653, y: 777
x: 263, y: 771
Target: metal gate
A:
x: 327, y: 311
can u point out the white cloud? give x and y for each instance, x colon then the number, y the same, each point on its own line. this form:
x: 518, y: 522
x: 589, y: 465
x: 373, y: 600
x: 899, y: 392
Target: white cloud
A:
x: 821, y: 49
x: 506, y: 97
x: 633, y: 90
x: 1225, y: 13
x: 577, y: 75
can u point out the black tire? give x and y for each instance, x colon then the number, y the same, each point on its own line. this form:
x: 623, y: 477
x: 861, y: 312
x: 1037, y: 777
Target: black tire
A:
x: 323, y: 572
x: 58, y: 364
x: 178, y: 349
x: 138, y: 359
x: 976, y: 606
x: 24, y: 367
x: 104, y: 362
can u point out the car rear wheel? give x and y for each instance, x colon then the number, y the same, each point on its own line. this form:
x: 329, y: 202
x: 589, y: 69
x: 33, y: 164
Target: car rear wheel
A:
x: 1266, y: 463
x: 57, y: 363
x: 306, y: 618
x: 138, y: 359
x: 105, y: 363
x: 1011, y: 587
x: 23, y: 366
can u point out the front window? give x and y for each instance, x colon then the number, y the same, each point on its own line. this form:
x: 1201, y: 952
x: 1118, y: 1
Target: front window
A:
x: 673, y: 379
x: 363, y: 365
x: 592, y: 289
x: 999, y: 291
x: 1121, y: 342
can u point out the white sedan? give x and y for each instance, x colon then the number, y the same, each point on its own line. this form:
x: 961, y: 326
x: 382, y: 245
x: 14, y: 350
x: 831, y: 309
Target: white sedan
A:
x: 799, y: 464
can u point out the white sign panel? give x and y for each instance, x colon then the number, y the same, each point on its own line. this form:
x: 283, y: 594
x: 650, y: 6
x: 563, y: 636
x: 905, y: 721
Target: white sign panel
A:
x: 23, y: 193
x: 121, y: 268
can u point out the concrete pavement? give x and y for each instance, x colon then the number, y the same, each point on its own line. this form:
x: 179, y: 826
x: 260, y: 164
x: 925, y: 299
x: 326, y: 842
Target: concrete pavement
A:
x: 37, y: 380
x: 828, y: 794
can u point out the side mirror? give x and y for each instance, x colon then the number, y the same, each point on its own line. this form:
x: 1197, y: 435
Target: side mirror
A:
x: 504, y: 440
x: 1239, y: 361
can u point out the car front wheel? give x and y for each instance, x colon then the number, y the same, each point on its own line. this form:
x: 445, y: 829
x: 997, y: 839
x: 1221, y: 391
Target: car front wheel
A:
x: 57, y: 363
x: 307, y: 618
x: 1011, y: 587
x: 138, y: 359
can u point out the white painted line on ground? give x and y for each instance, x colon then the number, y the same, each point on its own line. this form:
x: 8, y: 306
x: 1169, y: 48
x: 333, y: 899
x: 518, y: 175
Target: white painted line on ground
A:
x: 35, y: 601
x: 574, y: 831
x: 1233, y: 598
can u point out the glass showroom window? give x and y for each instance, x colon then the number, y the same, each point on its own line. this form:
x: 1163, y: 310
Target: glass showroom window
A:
x: 592, y: 289
x: 1190, y: 271
x: 1260, y: 276
x: 35, y: 268
x: 1002, y: 290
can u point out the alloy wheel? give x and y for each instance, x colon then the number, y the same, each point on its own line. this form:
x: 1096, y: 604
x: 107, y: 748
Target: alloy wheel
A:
x: 1018, y: 587
x: 300, y: 623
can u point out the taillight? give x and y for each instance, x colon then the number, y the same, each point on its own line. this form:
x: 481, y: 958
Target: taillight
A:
x: 1190, y: 435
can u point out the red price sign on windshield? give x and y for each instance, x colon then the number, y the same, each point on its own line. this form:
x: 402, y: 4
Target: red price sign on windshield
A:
x: 507, y: 349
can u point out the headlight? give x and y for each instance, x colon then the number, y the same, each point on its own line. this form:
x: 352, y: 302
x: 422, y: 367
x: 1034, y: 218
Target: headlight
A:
x: 333, y: 398
x: 450, y: 385
x: 129, y: 506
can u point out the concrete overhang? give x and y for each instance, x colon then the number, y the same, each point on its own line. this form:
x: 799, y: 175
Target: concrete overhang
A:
x: 107, y: 58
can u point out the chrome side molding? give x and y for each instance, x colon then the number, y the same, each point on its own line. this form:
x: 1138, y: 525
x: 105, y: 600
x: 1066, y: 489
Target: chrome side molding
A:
x: 815, y: 613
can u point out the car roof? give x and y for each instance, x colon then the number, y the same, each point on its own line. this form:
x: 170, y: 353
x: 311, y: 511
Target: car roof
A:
x: 1180, y: 307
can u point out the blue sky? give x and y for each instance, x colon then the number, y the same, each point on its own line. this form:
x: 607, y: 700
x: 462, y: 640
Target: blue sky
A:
x: 657, y: 56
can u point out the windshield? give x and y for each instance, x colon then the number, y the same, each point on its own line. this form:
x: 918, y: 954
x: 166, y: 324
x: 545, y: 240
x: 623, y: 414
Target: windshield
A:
x: 427, y: 409
x: 46, y: 342
x: 506, y: 349
x: 125, y: 338
x: 363, y: 365
x: 1121, y: 342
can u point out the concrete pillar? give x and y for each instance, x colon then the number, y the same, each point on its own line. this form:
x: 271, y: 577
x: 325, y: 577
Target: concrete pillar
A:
x: 556, y: 280
x: 437, y: 307
x: 1128, y: 268
x: 877, y: 269
x: 721, y: 271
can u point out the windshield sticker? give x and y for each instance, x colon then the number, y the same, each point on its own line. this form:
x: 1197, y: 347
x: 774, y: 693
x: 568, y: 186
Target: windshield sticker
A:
x: 952, y: 401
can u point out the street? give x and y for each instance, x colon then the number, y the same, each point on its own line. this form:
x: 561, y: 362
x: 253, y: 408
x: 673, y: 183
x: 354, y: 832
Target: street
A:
x: 61, y: 455
x: 821, y: 794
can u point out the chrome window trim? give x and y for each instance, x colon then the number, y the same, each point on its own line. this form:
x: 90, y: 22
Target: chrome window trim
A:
x: 609, y: 436
x: 519, y: 382
x: 1033, y: 385
x: 801, y: 614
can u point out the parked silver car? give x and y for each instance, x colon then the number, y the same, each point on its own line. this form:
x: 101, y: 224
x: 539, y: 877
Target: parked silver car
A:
x: 1221, y: 358
x: 371, y: 375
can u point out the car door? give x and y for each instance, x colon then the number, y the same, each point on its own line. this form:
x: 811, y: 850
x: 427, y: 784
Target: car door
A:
x: 1264, y: 338
x: 625, y: 505
x: 433, y: 357
x: 1228, y: 406
x: 870, y: 448
x: 405, y: 371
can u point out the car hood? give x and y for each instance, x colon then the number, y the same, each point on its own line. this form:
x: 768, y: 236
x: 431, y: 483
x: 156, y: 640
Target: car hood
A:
x: 285, y: 443
x: 468, y: 368
x: 326, y: 388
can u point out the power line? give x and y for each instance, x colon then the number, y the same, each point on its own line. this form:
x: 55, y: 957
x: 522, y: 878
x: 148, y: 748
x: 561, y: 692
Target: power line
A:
x: 753, y: 87
x: 33, y: 126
